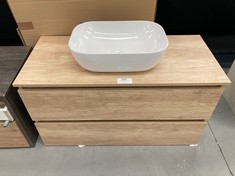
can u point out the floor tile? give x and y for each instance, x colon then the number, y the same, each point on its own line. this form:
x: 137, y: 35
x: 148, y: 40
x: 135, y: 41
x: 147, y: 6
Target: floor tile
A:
x: 202, y: 160
x: 222, y: 124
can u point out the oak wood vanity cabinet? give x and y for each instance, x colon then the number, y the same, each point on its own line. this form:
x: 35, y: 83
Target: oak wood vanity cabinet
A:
x: 17, y: 128
x: 167, y: 105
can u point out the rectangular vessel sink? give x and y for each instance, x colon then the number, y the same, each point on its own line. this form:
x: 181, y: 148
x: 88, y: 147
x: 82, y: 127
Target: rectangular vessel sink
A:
x: 118, y: 46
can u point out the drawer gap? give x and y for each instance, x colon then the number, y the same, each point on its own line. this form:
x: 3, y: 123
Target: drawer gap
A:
x: 123, y: 121
x: 120, y: 87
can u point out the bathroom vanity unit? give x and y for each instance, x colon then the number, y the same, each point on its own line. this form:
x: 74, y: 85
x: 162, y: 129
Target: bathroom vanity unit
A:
x: 17, y: 128
x: 167, y: 105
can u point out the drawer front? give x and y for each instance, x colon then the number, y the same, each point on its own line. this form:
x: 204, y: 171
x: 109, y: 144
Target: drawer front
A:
x: 121, y: 103
x: 120, y: 133
x: 11, y: 136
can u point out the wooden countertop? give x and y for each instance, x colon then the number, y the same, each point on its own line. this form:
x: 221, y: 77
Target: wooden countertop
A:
x: 187, y: 62
x: 11, y: 60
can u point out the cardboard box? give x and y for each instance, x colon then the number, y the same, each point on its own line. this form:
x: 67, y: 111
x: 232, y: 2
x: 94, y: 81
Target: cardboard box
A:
x: 58, y: 17
x: 229, y: 91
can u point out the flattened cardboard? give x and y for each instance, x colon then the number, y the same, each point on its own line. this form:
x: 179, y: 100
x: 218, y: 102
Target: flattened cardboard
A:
x: 25, y: 25
x: 229, y: 91
x: 58, y: 17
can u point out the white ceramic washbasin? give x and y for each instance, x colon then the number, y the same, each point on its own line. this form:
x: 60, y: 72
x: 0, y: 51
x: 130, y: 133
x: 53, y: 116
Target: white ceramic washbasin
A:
x: 118, y: 46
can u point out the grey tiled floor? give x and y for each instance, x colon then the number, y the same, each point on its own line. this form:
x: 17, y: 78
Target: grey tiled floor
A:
x: 214, y: 156
x: 222, y: 124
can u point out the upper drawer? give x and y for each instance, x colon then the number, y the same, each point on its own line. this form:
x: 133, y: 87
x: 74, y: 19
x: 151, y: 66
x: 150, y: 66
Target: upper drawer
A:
x: 165, y: 103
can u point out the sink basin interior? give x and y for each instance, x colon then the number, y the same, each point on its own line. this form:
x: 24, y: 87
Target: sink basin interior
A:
x: 107, y: 37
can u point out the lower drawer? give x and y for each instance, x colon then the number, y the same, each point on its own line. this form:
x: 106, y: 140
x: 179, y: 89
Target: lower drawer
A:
x: 11, y: 136
x: 121, y: 133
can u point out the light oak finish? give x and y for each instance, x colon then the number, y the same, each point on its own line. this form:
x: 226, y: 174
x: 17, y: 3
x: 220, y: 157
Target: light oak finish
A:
x: 120, y: 133
x: 187, y: 62
x: 12, y: 136
x: 167, y: 103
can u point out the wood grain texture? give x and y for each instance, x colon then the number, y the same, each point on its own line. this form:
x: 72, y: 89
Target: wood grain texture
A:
x: 187, y: 62
x: 11, y: 136
x: 120, y: 133
x: 167, y: 103
x: 11, y: 60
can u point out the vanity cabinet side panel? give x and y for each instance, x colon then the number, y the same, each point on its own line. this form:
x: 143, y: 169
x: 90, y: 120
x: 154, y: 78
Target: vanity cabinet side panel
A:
x: 21, y: 115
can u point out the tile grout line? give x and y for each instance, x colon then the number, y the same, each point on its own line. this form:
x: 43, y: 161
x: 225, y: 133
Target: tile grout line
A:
x: 220, y: 149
